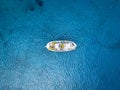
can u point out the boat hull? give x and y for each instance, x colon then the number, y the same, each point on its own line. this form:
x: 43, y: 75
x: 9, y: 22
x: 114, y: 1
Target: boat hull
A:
x: 61, y: 46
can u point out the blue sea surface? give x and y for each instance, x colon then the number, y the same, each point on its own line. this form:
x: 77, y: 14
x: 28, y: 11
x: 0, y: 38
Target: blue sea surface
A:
x: 26, y: 26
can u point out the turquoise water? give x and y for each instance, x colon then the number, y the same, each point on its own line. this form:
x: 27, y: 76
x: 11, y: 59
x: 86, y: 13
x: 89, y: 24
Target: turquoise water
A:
x: 26, y: 26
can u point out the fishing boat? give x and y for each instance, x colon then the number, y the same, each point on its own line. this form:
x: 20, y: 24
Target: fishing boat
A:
x: 61, y: 46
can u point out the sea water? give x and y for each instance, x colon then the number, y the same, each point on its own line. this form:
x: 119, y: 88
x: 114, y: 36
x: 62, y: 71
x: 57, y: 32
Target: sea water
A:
x: 26, y: 26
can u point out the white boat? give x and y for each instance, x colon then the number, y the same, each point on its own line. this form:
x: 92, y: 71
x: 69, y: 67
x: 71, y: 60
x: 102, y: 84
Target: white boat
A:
x: 61, y: 46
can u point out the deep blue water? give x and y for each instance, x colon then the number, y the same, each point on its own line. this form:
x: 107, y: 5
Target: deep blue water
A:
x: 26, y: 26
